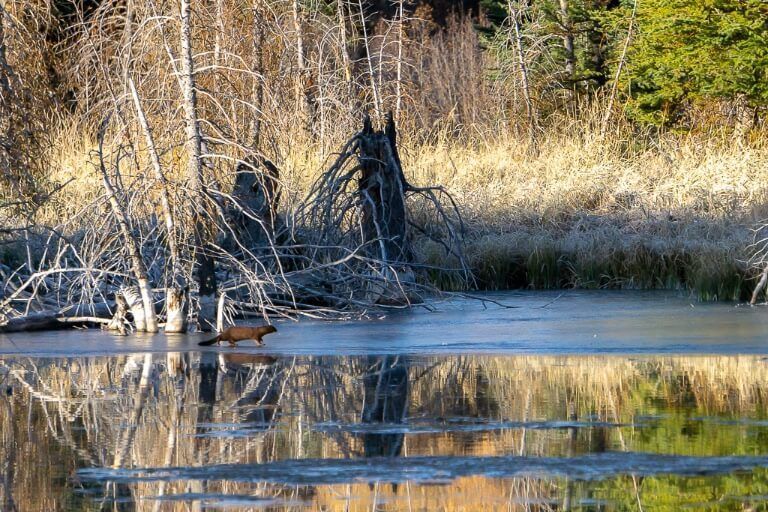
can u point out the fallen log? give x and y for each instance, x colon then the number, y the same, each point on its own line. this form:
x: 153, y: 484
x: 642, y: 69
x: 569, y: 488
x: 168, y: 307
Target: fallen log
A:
x: 51, y: 320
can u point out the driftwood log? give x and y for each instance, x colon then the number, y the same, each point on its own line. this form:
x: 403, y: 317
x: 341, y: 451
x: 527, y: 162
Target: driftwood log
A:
x: 50, y: 320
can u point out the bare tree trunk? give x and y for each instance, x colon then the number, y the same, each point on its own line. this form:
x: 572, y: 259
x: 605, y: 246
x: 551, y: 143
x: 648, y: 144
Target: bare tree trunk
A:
x: 300, y: 58
x: 219, y: 32
x: 374, y: 88
x: 176, y: 296
x: 206, y: 276
x: 382, y: 190
x: 346, y: 60
x: 760, y: 286
x: 304, y: 86
x: 619, y: 68
x: 384, y: 217
x: 149, y: 321
x: 514, y: 16
x: 398, y: 90
x: 5, y: 71
x: 136, y: 306
x: 258, y: 72
x: 570, y: 58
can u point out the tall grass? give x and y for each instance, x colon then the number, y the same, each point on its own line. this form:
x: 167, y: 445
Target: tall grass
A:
x: 625, y: 211
x: 628, y: 211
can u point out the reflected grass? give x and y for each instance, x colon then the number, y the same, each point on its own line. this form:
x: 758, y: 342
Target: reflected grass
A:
x: 138, y: 411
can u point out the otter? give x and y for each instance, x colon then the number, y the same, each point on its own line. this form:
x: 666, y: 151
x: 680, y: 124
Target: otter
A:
x: 235, y: 334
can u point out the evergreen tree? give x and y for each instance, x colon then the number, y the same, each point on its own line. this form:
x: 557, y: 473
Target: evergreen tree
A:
x: 693, y: 50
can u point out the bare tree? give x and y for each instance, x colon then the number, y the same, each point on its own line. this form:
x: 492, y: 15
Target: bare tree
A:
x: 144, y: 316
x: 304, y: 83
x: 516, y: 34
x: 206, y: 274
x: 176, y: 293
x: 399, y: 83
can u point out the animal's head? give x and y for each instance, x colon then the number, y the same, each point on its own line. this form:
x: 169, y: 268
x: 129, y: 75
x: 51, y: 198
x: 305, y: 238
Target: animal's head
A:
x: 271, y: 328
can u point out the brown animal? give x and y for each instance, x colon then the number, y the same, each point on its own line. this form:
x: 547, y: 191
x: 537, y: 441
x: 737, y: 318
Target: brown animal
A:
x: 235, y: 334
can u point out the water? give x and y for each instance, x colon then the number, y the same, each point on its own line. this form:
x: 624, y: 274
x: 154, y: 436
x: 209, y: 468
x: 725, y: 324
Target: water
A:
x: 472, y: 410
x: 574, y: 322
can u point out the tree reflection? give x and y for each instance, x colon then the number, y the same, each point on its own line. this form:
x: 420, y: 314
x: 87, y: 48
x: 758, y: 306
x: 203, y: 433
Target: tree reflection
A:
x: 386, y: 401
x: 227, y: 408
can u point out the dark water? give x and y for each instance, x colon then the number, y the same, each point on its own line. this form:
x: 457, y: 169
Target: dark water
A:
x: 230, y: 430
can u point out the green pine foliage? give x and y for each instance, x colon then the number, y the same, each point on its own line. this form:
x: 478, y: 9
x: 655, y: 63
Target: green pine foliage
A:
x: 682, y: 53
x: 687, y: 51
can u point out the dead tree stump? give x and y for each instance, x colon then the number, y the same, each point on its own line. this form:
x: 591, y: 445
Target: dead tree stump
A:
x: 382, y: 188
x: 384, y: 215
x: 358, y: 229
x: 117, y: 323
x: 177, y: 309
x: 252, y: 213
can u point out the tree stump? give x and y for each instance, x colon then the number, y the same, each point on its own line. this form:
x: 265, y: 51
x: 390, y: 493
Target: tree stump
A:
x: 384, y: 217
x: 117, y: 323
x: 253, y: 213
x: 177, y: 309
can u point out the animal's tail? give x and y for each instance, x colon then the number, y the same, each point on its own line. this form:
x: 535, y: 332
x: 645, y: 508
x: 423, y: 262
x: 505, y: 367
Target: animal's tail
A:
x: 209, y: 342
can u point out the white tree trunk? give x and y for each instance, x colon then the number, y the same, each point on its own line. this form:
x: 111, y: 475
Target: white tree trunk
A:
x: 176, y: 295
x: 206, y: 276
x: 135, y: 300
x: 148, y: 320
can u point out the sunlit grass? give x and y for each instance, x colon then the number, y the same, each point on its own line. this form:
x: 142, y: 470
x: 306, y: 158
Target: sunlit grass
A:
x: 629, y: 210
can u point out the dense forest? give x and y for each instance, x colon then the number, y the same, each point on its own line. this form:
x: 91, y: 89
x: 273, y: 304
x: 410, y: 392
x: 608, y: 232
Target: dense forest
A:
x: 291, y: 155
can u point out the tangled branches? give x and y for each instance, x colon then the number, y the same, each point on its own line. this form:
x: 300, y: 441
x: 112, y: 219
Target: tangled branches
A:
x: 360, y: 218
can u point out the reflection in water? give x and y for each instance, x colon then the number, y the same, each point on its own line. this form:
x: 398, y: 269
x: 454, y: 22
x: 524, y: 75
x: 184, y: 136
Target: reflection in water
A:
x: 220, y: 429
x: 386, y: 401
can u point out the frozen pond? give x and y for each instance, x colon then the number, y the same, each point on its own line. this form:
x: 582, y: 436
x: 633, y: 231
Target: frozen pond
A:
x: 576, y: 322
x: 599, y: 401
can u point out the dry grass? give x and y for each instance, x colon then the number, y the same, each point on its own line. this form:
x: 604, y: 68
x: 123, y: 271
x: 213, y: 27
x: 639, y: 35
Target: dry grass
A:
x: 630, y: 211
x: 663, y: 212
x: 634, y: 209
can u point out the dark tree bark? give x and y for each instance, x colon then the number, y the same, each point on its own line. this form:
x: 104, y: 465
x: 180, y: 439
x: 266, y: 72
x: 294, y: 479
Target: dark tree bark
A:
x: 382, y: 189
x: 386, y: 401
x: 252, y: 219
